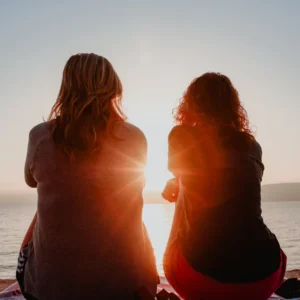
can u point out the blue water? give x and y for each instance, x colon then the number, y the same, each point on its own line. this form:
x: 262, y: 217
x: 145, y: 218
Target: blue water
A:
x: 282, y: 218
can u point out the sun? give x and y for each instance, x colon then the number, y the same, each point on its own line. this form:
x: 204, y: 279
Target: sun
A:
x: 156, y: 169
x: 156, y: 174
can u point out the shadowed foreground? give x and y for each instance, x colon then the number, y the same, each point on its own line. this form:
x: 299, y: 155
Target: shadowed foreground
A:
x: 4, y: 283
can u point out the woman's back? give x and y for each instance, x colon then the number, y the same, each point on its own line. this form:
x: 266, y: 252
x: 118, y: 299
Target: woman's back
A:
x: 222, y: 249
x: 89, y: 233
x: 223, y: 232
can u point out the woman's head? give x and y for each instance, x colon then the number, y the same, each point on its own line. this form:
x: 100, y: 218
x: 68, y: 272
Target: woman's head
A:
x: 211, y: 99
x: 88, y: 103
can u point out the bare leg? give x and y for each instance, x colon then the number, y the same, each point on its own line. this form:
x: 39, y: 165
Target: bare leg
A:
x: 149, y: 253
x: 177, y: 218
x: 28, y: 235
x: 170, y: 256
x: 151, y: 278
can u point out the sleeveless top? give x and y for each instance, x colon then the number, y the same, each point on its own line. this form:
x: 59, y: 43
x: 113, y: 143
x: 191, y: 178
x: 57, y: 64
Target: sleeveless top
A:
x: 89, y: 238
x: 222, y: 232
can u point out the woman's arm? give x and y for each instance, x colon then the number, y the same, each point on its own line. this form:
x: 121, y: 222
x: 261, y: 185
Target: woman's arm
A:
x: 140, y: 148
x: 31, y: 182
x: 29, y: 233
x: 31, y: 148
x: 179, y: 142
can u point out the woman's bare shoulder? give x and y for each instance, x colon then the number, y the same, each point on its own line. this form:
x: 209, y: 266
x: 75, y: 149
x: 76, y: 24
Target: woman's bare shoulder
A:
x: 39, y: 130
x: 256, y: 148
x: 130, y: 131
x: 181, y: 132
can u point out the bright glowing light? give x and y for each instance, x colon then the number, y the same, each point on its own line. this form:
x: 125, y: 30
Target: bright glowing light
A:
x: 156, y: 177
x: 158, y: 220
x: 156, y: 170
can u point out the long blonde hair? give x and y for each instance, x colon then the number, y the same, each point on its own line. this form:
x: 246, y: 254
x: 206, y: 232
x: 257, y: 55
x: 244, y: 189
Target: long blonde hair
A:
x: 87, y: 106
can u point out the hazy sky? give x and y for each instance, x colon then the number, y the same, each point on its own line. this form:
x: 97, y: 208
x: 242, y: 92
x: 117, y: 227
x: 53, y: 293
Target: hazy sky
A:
x: 157, y: 48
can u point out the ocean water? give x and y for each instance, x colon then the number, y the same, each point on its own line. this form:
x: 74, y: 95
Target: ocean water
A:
x: 281, y: 217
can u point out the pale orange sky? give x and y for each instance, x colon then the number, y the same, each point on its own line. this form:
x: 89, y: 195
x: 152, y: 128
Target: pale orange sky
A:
x: 157, y: 49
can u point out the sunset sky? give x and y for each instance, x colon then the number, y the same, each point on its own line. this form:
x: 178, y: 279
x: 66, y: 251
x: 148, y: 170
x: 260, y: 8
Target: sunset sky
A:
x: 157, y: 48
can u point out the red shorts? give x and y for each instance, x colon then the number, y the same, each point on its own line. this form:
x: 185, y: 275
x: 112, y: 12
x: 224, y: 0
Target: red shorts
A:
x: 190, y: 284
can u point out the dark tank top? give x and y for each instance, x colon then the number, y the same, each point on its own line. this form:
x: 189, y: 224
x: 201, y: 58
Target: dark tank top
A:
x: 222, y: 233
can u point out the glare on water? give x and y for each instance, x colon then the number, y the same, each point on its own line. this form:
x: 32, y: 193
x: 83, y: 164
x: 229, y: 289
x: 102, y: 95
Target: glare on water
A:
x: 157, y: 220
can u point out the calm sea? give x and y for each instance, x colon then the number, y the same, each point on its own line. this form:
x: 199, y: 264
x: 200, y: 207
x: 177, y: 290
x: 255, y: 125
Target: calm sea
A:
x: 282, y: 218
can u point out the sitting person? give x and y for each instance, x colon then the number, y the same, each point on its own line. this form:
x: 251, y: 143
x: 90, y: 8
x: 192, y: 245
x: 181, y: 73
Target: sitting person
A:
x: 87, y: 239
x: 219, y: 246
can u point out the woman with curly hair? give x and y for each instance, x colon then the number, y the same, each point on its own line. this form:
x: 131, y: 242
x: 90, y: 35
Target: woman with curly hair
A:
x: 87, y: 239
x: 219, y: 246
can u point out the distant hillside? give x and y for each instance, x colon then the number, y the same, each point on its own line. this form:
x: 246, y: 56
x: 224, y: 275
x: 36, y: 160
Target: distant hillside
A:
x: 19, y: 197
x: 281, y: 192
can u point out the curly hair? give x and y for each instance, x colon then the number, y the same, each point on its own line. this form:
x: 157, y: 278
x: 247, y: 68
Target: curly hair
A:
x: 87, y: 106
x: 213, y: 98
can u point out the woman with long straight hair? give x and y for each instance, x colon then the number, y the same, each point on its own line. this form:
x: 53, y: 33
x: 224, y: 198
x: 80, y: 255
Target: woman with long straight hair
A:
x: 87, y: 239
x: 219, y: 246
